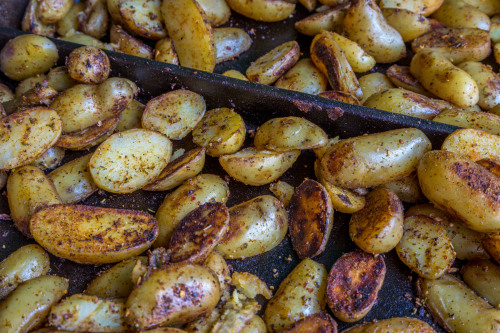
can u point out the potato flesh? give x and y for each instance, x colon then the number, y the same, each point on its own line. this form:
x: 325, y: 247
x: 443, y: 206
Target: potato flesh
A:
x: 283, y: 191
x: 165, y: 52
x: 230, y: 43
x: 250, y: 225
x: 128, y: 44
x: 474, y: 144
x: 483, y: 277
x: 483, y: 121
x: 143, y: 17
x: 303, y: 77
x: 217, y: 11
x: 359, y: 60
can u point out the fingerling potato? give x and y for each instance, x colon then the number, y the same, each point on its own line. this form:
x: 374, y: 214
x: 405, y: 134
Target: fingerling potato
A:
x: 31, y: 22
x: 401, y: 77
x: 59, y: 78
x: 460, y: 14
x: 483, y: 121
x: 359, y: 60
x: 219, y: 266
x: 283, y: 191
x: 491, y: 243
x: 263, y: 10
x: 303, y: 77
x: 235, y: 75
x: 217, y: 11
x: 5, y: 93
x: 489, y: 7
x: 487, y: 81
x: 129, y: 44
x: 40, y: 95
x: 165, y: 51
x: 143, y: 18
x: 328, y: 20
x: 52, y: 11
x: 409, y: 24
x: 88, y: 64
x: 373, y: 83
x: 483, y: 277
x: 131, y: 116
x: 340, y: 96
x: 474, y: 144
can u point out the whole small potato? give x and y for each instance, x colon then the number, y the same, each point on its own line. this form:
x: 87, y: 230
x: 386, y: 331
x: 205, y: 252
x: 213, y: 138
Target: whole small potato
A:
x: 52, y: 11
x: 27, y: 55
x: 88, y: 64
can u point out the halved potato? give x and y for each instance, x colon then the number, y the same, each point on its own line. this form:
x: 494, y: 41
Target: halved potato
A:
x: 221, y: 131
x: 373, y: 83
x: 263, y: 10
x: 409, y: 24
x: 230, y: 43
x: 316, y: 323
x: 165, y: 51
x: 192, y: 34
x: 219, y: 266
x: 283, y: 191
x: 258, y: 167
x: 483, y: 121
x: 143, y: 18
x: 353, y: 285
x: 40, y: 95
x: 131, y: 117
x: 303, y: 77
x: 310, y: 218
x: 401, y: 77
x: 128, y: 44
x: 255, y: 227
x: 52, y: 11
x: 217, y: 11
x: 31, y: 22
x: 174, y: 114
x: 269, y: 67
x: 474, y: 144
x: 93, y: 235
x: 330, y: 19
x: 359, y: 60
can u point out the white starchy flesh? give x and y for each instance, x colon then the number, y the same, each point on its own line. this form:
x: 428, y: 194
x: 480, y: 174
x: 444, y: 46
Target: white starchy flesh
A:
x: 235, y: 75
x: 330, y: 19
x: 165, y: 51
x: 128, y: 161
x: 93, y: 235
x: 374, y: 159
x: 269, y: 67
x: 483, y: 277
x: 249, y: 224
x: 50, y: 159
x: 26, y: 263
x: 289, y: 133
x: 303, y: 77
x: 216, y: 11
x: 263, y: 10
x: 27, y: 307
x: 473, y: 143
x: 461, y: 188
x: 359, y: 60
x: 250, y: 285
x: 283, y: 191
x: 174, y: 114
x: 258, y: 167
x: 425, y: 247
x: 159, y: 302
x: 365, y: 25
x: 187, y: 197
x: 221, y: 131
x: 448, y: 295
x: 424, y: 7
x: 28, y: 191
x: 128, y: 44
x: 466, y: 242
x: 27, y: 55
x: 439, y: 76
x: 131, y: 116
x: 393, y: 325
x: 192, y: 34
x: 230, y: 43
x: 89, y: 313
x: 143, y: 17
x: 488, y: 83
x: 483, y: 121
x: 73, y: 180
x: 410, y: 25
x: 373, y: 83
x: 460, y: 14
x: 32, y: 24
x: 306, y: 281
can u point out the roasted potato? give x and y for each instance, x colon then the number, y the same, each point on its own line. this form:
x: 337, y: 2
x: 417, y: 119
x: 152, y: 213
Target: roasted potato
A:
x: 131, y: 116
x: 235, y: 75
x: 230, y: 43
x: 93, y: 235
x: 216, y: 11
x: 483, y: 121
x: 487, y: 81
x: 219, y: 266
x: 52, y: 11
x: 315, y: 323
x: 409, y: 24
x: 283, y: 191
x: 255, y: 227
x: 359, y: 60
x: 59, y: 78
x: 495, y: 29
x: 80, y: 38
x: 328, y: 20
x: 68, y: 25
x: 401, y: 77
x: 94, y: 20
x: 340, y: 97
x: 165, y: 51
x: 474, y: 144
x: 41, y: 95
x: 303, y: 77
x: 407, y: 188
x: 144, y: 18
x: 343, y: 200
x: 424, y: 7
x: 491, y: 243
x: 5, y: 93
x: 373, y: 83
x: 393, y: 325
x: 263, y: 10
x: 88, y: 64
x: 483, y: 277
x: 489, y: 7
x: 129, y: 44
x: 50, y: 159
x: 460, y: 14
x: 31, y: 22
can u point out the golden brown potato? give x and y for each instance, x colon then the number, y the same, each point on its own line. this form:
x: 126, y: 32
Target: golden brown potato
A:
x: 401, y: 77
x: 219, y: 266
x: 493, y: 165
x: 283, y: 191
x: 68, y: 25
x: 263, y: 10
x: 40, y: 95
x: 50, y: 159
x: 483, y: 277
x: 409, y: 24
x: 487, y: 81
x: 94, y: 20
x: 460, y: 14
x: 80, y: 38
x: 474, y: 144
x: 165, y: 51
x: 217, y: 11
x: 393, y: 325
x: 489, y: 7
x: 407, y: 188
x: 131, y: 116
x: 310, y: 218
x: 483, y: 121
x: 230, y: 43
x: 328, y: 20
x: 315, y: 323
x: 88, y: 64
x: 491, y: 243
x: 32, y: 24
x: 128, y: 44
x: 343, y: 200
x: 373, y: 83
x: 303, y: 77
x: 353, y: 285
x: 59, y: 78
x: 5, y: 93
x: 340, y: 97
x: 424, y: 7
x: 378, y: 227
x: 144, y: 18
x: 359, y: 60
x: 199, y: 233
x: 52, y: 11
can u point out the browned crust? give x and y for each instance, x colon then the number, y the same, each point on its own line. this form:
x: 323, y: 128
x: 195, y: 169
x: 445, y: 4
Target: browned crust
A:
x: 435, y: 24
x: 199, y: 233
x: 340, y: 97
x: 315, y: 323
x: 81, y: 139
x: 310, y: 219
x: 88, y: 64
x: 353, y: 284
x: 493, y: 165
x: 40, y: 95
x: 403, y: 75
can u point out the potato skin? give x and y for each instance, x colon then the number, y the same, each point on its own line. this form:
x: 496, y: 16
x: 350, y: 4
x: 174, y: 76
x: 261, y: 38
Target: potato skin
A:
x: 407, y: 188
x: 303, y: 77
x: 31, y: 22
x: 52, y: 11
x: 316, y: 323
x: 483, y: 277
x: 353, y: 285
x: 461, y: 188
x: 26, y: 56
x: 329, y: 20
x: 172, y: 296
x: 230, y: 43
x: 219, y: 266
x: 424, y: 7
x: 484, y: 121
x: 409, y: 24
x: 393, y: 325
x: 350, y: 163
x: 129, y: 44
x: 373, y: 83
x: 460, y: 14
x: 263, y: 10
x: 378, y: 227
x: 88, y: 64
x: 69, y: 23
x: 491, y: 243
x: 401, y: 77
x: 217, y: 11
x: 487, y: 81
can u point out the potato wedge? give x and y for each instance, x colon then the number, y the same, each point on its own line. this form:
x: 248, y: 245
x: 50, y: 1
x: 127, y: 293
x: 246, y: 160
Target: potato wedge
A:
x: 165, y: 51
x: 373, y: 83
x: 50, y: 159
x: 131, y: 116
x: 456, y: 44
x: 483, y: 277
x: 174, y: 114
x: 424, y: 7
x: 83, y: 312
x: 235, y: 75
x: 269, y: 67
x: 26, y: 56
x: 405, y: 102
x: 178, y: 170
x: 331, y: 60
x: 258, y: 167
x: 148, y: 153
x: 470, y: 312
x: 27, y: 307
x: 221, y: 131
x: 393, y: 325
x: 255, y: 227
x: 353, y: 285
x: 93, y: 235
x: 116, y: 281
x: 315, y: 323
x: 31, y: 23
x: 88, y: 64
x: 466, y: 242
x: 216, y: 11
x: 425, y: 247
x: 378, y: 227
x: 94, y: 21
x: 359, y: 60
x: 401, y: 77
x: 128, y: 44
x: 283, y: 191
x: 68, y: 25
x: 230, y: 43
x: 187, y: 197
x: 219, y: 266
x: 483, y: 121
x: 474, y: 144
x: 287, y: 305
x: 489, y: 7
x: 199, y: 233
x: 289, y: 133
x: 365, y: 25
x: 192, y: 34
x: 26, y: 263
x: 28, y: 191
x: 487, y: 81
x: 303, y: 77
x: 439, y: 76
x: 329, y: 20
x: 143, y: 18
x: 263, y: 10
x: 359, y: 162
x: 310, y: 218
x: 409, y: 24
x: 171, y: 296
x: 460, y: 14
x: 340, y: 97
